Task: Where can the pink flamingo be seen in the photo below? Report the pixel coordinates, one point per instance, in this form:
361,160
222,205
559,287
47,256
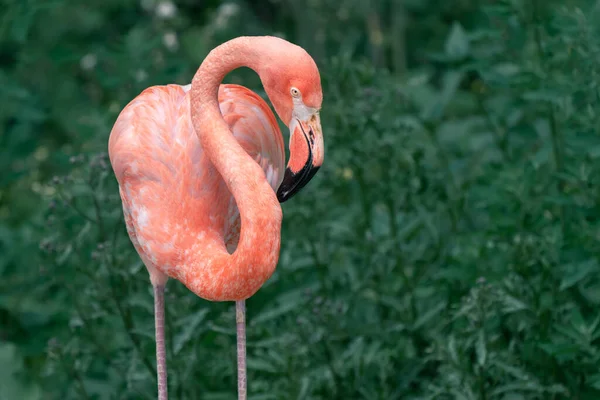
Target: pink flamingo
200,172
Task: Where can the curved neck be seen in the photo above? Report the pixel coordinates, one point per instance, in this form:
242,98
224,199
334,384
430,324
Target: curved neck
258,247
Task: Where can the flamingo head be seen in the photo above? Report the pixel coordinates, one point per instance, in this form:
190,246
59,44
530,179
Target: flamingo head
293,85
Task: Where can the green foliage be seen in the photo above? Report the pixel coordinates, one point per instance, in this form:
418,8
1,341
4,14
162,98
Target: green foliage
448,248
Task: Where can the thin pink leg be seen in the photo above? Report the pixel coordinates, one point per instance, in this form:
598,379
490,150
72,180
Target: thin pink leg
159,326
240,320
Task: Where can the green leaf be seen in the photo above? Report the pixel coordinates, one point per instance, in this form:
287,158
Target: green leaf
452,350
429,315
435,111
190,327
481,348
513,396
457,43
578,272
272,312
260,364
304,388
12,384
594,381
562,351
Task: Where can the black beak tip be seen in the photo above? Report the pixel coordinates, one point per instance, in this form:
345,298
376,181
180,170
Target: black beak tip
282,195
292,183
288,186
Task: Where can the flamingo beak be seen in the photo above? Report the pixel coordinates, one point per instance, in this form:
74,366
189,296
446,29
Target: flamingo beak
306,156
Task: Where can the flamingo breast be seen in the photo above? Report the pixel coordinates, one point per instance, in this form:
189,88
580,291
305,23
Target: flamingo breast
174,199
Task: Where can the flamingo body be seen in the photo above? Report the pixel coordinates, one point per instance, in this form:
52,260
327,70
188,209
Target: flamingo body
201,175
177,206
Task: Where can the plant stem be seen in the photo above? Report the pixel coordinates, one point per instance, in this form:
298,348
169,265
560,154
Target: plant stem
75,208
398,44
98,212
453,191
500,135
71,371
555,134
127,322
86,322
125,316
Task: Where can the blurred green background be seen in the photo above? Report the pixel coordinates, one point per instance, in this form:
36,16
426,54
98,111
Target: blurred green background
448,248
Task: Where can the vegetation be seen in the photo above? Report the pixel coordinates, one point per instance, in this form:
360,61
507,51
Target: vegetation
448,248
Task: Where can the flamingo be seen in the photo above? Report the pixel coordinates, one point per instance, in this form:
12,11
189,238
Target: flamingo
201,175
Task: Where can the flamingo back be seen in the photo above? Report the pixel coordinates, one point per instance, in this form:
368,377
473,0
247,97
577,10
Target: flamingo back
173,197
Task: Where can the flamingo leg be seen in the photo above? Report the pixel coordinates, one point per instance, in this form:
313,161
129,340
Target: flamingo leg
240,320
159,328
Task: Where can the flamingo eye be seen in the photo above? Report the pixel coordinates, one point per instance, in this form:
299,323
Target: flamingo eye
295,92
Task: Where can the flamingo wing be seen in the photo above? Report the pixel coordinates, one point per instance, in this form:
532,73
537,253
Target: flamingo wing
169,188
255,127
